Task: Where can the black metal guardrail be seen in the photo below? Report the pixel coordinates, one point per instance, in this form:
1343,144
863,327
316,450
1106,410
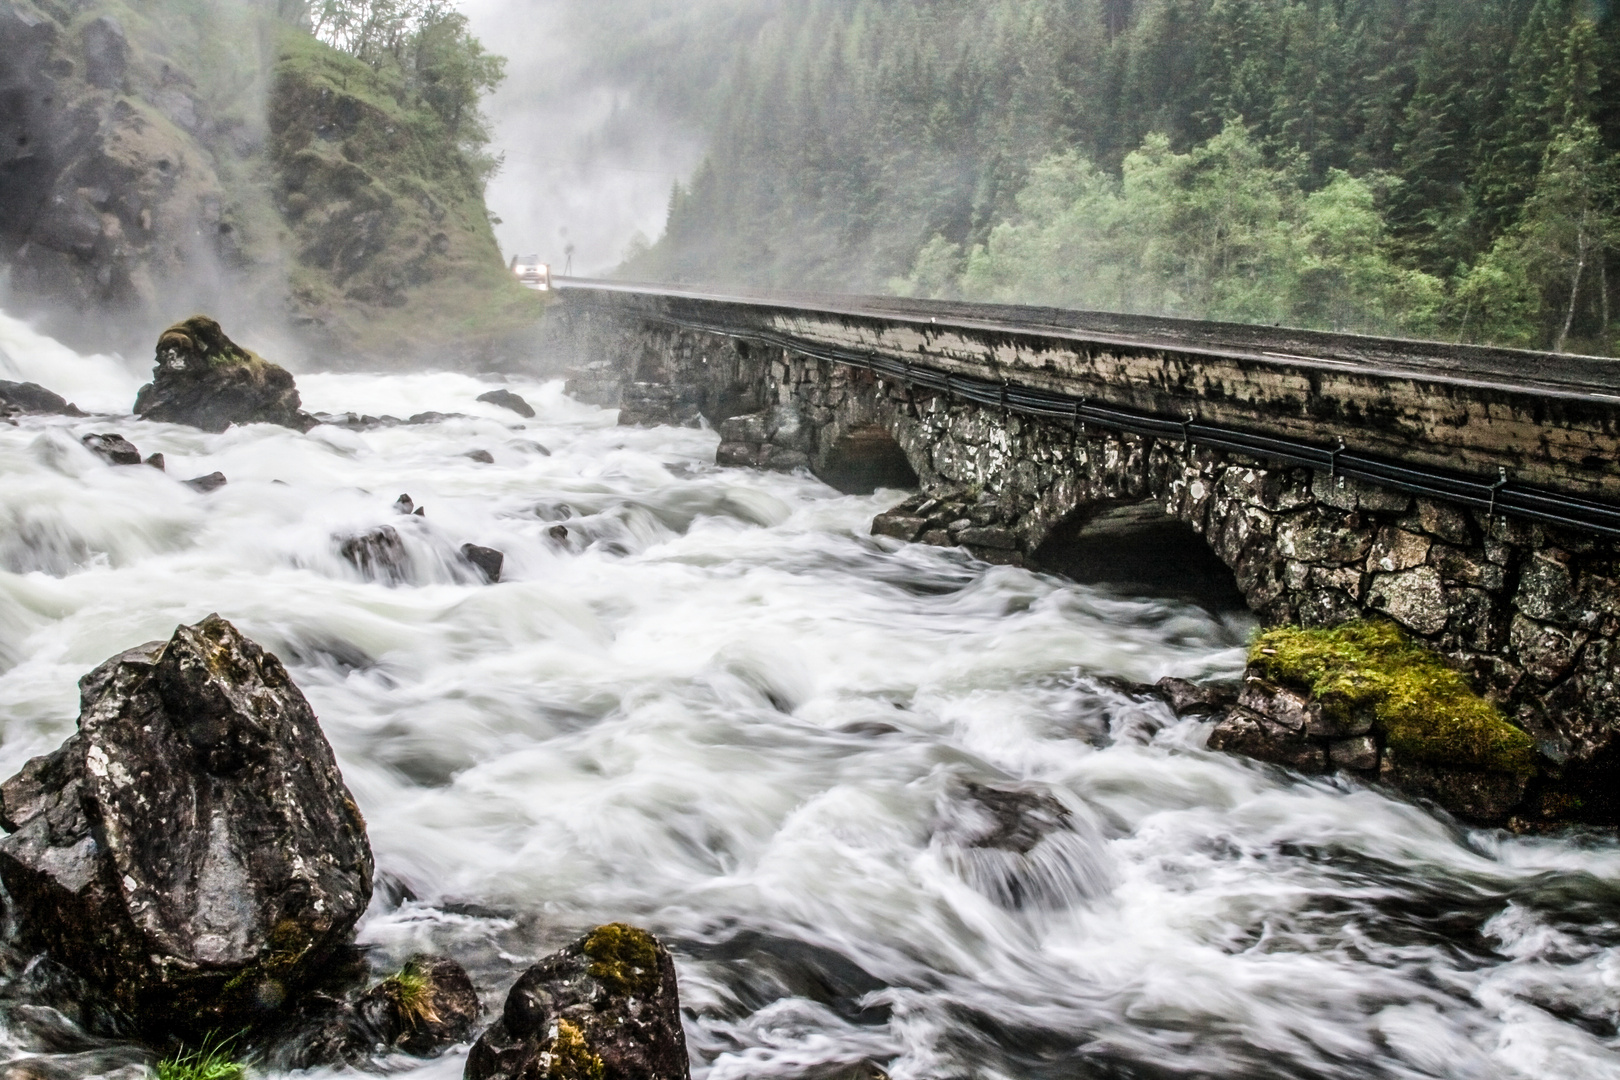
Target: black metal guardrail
1501,495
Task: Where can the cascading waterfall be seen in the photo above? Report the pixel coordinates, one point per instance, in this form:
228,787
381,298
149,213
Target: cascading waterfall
886,805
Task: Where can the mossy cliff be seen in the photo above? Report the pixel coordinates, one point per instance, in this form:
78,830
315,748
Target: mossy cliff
183,155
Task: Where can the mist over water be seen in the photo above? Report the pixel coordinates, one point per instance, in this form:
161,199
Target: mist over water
721,710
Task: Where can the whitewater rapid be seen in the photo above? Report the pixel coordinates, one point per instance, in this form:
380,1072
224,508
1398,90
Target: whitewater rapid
717,707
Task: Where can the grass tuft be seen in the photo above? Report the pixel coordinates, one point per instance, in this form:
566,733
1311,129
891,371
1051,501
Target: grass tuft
413,992
1425,710
211,1060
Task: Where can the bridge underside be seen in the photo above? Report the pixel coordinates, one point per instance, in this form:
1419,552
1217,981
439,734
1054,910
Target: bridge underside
1531,611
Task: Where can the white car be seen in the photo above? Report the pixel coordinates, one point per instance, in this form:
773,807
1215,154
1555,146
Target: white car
531,271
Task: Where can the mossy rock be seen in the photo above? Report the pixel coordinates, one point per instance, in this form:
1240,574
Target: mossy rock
1424,710
623,959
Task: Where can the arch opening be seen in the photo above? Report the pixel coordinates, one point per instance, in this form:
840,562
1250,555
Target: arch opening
1137,548
866,459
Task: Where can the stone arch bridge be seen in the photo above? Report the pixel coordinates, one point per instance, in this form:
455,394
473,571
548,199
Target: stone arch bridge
1471,494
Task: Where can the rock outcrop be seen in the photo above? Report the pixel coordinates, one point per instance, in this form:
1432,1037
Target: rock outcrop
206,380
191,851
1366,699
18,398
604,1008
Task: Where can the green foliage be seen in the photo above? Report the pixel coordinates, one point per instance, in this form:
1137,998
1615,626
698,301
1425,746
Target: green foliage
1364,165
1425,710
623,959
427,57
211,1060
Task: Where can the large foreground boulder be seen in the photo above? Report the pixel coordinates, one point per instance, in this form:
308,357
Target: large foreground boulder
192,850
604,1008
206,380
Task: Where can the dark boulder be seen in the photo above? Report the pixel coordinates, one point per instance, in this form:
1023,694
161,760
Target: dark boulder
1187,698
483,457
605,1007
205,380
487,560
192,850
508,400
157,462
27,397
205,484
113,449
379,554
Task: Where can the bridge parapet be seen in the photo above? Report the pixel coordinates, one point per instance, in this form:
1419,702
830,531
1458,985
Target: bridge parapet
1529,606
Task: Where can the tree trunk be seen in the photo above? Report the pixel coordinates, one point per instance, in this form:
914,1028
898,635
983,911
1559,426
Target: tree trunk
1574,294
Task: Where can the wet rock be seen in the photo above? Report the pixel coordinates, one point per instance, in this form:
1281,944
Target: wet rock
106,53
900,526
379,554
605,1007
113,449
1473,794
192,850
1187,698
205,380
205,484
26,397
481,456
508,400
1018,820
559,533
404,505
157,462
487,560
430,1004
1254,735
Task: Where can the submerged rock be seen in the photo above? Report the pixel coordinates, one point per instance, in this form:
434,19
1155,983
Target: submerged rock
604,1008
192,850
206,380
379,554
508,400
27,397
487,560
112,448
205,484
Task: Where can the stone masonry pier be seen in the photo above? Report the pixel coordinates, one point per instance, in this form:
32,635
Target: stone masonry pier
1472,495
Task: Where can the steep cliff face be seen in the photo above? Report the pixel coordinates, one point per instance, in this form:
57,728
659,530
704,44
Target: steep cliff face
198,155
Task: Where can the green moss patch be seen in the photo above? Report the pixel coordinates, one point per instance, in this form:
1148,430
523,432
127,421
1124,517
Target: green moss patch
572,1057
1425,710
623,959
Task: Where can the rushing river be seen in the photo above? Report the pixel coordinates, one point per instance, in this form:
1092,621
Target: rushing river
711,704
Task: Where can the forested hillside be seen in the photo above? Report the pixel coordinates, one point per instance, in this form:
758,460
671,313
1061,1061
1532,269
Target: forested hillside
1432,167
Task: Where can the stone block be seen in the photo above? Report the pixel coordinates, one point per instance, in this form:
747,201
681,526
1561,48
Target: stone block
989,536
745,455
1320,536
935,537
783,459
899,526
1359,754
1288,708
1243,732
1463,568
1474,796
1546,588
1397,549
1414,598
1445,521
1547,652
750,428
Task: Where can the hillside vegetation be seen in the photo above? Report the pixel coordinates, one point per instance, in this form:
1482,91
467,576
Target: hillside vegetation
176,156
1432,167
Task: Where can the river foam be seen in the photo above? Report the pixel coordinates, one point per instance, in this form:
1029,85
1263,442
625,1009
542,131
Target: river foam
717,707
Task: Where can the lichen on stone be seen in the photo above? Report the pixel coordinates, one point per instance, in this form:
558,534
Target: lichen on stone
623,959
1425,710
571,1056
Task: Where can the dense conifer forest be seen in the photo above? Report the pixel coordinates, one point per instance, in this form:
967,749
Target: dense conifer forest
1426,167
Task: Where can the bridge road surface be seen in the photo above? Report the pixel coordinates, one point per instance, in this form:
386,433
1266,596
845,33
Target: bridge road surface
1498,421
